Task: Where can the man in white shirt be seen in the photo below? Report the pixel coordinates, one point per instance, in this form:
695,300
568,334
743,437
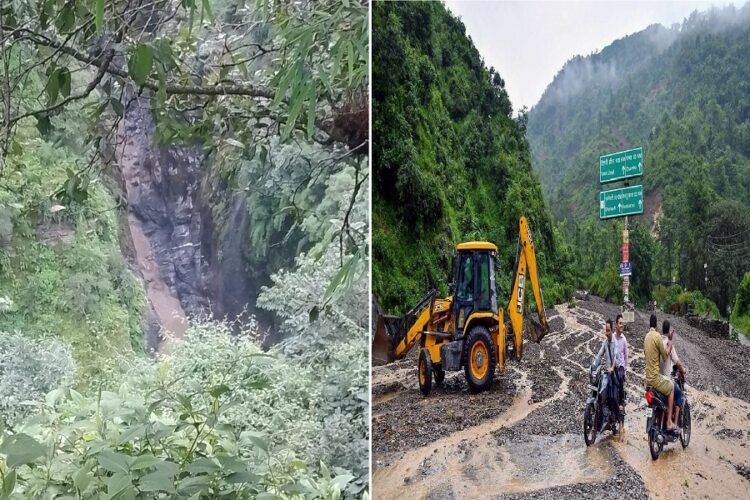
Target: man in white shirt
665,367
621,368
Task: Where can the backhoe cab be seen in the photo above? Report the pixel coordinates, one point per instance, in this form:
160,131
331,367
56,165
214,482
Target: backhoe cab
467,329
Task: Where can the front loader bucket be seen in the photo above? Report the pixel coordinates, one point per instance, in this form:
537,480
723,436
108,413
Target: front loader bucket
389,331
534,329
382,351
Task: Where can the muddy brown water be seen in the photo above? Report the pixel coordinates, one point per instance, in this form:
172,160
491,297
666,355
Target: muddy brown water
529,442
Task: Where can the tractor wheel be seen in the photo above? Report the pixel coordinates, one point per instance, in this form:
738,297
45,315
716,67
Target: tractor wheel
425,372
479,359
439,374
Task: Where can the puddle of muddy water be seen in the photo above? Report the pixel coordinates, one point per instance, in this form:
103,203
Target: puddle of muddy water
473,455
541,462
384,398
479,469
706,468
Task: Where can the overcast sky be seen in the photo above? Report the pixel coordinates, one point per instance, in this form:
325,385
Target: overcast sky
528,42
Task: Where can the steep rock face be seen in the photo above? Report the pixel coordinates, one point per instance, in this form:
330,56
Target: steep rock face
190,259
172,240
233,287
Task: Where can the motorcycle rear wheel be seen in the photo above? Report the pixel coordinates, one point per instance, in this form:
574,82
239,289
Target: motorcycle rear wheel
653,445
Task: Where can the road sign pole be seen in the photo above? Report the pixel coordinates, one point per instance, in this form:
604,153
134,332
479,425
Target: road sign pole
621,202
625,258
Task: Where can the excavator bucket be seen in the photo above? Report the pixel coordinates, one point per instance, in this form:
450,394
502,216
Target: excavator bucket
382,353
534,329
384,339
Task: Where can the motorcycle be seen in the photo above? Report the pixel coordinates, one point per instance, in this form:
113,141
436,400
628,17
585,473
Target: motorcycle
597,417
656,424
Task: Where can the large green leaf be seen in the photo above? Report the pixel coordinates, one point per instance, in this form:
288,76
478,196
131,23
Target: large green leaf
203,465
63,78
311,107
53,86
157,481
120,487
295,107
140,63
20,449
98,14
9,484
193,485
144,462
113,461
258,439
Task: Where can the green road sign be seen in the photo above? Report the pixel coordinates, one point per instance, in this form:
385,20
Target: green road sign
622,165
621,202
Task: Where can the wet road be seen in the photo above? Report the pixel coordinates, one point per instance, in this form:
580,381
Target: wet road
523,438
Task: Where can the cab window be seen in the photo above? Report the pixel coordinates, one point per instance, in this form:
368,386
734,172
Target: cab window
484,281
466,278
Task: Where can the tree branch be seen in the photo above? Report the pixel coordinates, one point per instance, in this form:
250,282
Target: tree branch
215,90
89,88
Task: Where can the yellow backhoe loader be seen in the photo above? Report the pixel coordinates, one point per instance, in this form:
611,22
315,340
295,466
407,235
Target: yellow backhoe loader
467,330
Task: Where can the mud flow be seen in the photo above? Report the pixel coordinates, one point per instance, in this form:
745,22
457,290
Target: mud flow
524,437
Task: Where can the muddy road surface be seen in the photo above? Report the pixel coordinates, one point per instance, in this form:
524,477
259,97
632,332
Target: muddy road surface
524,437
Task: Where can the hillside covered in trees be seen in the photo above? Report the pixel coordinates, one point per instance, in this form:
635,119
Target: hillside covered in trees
683,93
183,249
450,162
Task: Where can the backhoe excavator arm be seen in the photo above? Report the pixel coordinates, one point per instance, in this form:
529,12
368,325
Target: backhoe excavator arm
413,334
526,267
395,336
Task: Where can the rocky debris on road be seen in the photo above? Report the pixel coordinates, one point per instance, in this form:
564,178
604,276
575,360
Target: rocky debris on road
713,327
743,471
412,420
730,434
388,388
625,483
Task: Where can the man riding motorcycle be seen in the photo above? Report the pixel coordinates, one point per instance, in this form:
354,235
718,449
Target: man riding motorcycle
621,368
672,360
606,359
655,351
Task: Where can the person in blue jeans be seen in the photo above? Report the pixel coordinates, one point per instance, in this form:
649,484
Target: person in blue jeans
665,367
621,369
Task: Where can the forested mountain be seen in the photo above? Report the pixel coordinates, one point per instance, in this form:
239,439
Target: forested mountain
183,249
450,163
683,93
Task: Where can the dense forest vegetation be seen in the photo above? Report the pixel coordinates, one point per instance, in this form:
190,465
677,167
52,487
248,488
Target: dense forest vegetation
450,162
683,93
183,249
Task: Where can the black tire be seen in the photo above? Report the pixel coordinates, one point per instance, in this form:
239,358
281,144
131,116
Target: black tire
589,424
653,445
424,372
439,374
480,343
686,425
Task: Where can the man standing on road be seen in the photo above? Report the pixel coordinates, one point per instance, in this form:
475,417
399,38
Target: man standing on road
621,369
672,360
655,352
